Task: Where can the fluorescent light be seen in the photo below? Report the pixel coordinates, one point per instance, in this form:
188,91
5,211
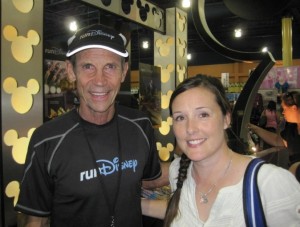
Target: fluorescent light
189,56
237,33
145,44
186,3
264,49
73,26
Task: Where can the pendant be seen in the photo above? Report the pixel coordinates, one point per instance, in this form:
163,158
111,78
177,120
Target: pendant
203,198
112,224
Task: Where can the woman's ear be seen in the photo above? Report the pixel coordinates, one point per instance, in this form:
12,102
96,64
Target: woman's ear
227,121
295,107
70,71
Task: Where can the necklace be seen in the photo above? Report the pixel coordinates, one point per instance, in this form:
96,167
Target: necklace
107,194
204,196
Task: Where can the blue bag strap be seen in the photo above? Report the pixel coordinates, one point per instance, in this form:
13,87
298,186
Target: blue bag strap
253,210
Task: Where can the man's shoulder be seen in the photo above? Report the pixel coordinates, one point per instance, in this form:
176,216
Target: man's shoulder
58,125
132,113
69,116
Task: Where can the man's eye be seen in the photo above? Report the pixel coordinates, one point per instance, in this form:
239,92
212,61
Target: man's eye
110,66
87,66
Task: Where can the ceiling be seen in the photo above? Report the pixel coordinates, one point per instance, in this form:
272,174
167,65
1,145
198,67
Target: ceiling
260,21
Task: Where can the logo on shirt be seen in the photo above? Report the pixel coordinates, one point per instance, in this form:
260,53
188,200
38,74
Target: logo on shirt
107,167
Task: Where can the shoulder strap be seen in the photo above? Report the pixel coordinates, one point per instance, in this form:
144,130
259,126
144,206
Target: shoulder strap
253,210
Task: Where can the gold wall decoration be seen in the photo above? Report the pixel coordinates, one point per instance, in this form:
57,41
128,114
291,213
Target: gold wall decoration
182,21
181,44
21,97
164,152
21,105
12,190
19,145
158,18
140,11
166,72
24,6
169,52
165,100
21,46
181,71
165,126
164,47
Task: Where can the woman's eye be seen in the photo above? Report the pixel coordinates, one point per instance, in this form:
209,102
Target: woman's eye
178,118
203,115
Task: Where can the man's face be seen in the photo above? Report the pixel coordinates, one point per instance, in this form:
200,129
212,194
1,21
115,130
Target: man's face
99,74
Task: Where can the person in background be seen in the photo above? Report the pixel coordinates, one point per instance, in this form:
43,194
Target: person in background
257,109
85,167
207,180
290,136
271,119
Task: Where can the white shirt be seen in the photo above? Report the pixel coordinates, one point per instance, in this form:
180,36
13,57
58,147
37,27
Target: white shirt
279,192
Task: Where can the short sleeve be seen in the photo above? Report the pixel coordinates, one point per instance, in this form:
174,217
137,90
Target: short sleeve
280,194
35,189
152,169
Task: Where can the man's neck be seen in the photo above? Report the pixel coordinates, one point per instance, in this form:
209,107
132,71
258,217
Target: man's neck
98,118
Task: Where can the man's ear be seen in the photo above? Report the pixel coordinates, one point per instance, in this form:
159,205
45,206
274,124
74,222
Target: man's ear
227,121
125,69
70,71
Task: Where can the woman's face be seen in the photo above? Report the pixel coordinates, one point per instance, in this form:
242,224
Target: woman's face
290,113
199,124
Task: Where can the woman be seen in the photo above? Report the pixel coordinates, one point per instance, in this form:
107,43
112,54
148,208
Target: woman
207,179
271,115
290,136
270,120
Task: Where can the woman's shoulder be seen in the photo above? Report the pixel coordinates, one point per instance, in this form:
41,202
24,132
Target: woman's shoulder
295,170
271,175
175,165
279,190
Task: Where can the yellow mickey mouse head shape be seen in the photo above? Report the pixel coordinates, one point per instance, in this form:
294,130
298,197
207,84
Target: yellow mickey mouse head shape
21,47
21,98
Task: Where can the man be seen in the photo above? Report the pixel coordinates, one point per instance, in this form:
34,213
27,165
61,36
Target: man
61,183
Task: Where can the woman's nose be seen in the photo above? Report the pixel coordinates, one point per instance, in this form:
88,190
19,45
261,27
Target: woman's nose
191,126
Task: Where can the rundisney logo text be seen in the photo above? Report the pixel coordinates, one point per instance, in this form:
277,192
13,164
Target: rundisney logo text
107,167
94,33
54,50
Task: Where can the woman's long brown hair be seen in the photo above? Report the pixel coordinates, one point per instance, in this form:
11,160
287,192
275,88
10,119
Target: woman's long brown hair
215,86
172,209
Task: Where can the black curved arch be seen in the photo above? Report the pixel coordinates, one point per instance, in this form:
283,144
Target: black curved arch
242,109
